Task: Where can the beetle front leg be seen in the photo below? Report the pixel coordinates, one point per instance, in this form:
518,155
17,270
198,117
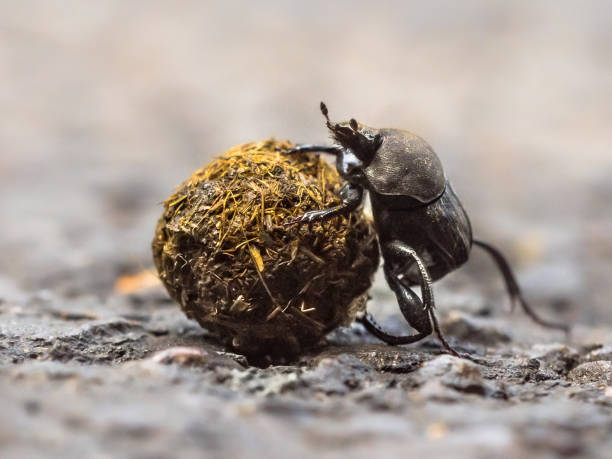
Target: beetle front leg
419,314
308,148
351,196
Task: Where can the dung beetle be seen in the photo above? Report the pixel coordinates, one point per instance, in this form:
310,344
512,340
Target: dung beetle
423,230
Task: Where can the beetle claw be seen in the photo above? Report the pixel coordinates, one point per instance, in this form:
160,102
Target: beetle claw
292,221
304,218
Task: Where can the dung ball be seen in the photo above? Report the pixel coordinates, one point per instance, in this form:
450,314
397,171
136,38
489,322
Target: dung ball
224,253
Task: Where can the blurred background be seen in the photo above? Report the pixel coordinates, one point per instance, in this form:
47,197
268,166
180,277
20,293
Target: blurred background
106,106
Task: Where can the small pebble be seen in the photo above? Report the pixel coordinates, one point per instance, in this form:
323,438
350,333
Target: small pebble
597,371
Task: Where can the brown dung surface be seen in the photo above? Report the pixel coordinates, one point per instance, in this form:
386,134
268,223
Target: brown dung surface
223,251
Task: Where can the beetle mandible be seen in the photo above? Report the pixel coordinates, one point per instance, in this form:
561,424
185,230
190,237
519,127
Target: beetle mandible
423,230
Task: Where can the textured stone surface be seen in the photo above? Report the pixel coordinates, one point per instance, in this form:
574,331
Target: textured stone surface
105,109
131,376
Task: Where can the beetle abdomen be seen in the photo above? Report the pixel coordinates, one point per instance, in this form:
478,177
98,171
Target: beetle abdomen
440,232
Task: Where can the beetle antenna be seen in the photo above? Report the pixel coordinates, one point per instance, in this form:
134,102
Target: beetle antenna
324,110
325,114
364,145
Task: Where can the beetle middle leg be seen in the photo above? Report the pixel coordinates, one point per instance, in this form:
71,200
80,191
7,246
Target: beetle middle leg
419,313
351,196
412,308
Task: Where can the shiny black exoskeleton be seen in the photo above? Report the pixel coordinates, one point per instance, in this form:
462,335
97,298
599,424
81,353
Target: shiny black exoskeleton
423,231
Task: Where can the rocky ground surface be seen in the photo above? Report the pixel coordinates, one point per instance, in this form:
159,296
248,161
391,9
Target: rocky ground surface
131,376
106,106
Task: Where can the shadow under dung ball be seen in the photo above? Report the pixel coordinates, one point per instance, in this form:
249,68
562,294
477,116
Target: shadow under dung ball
223,252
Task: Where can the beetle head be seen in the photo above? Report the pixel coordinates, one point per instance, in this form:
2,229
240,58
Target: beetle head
362,140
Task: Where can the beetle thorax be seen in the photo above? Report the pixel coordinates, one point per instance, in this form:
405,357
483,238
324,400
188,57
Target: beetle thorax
405,165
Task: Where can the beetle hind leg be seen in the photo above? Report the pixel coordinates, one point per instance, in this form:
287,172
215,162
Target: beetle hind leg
514,291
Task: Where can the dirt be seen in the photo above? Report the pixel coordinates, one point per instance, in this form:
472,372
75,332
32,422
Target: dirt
132,377
106,109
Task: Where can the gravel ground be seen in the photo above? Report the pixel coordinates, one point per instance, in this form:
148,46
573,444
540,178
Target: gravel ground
105,107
